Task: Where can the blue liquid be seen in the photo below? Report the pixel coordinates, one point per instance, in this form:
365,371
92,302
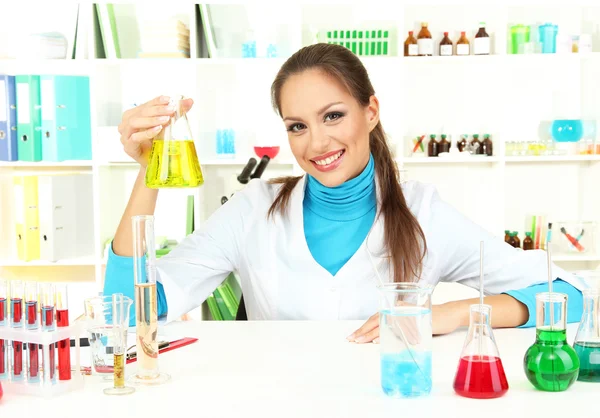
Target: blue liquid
567,130
400,376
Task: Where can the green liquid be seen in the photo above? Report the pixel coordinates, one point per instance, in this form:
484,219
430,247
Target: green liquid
181,169
589,356
551,364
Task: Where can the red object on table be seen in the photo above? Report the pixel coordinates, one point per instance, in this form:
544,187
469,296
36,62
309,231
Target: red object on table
480,377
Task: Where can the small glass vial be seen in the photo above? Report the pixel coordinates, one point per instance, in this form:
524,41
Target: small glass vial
446,46
481,44
433,147
424,41
411,49
462,45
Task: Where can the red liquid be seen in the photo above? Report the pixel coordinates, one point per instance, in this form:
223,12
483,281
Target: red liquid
31,313
34,365
64,347
2,353
48,322
2,309
480,378
17,313
17,358
2,346
270,152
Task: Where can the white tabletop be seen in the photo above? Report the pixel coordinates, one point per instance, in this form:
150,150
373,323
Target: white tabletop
305,369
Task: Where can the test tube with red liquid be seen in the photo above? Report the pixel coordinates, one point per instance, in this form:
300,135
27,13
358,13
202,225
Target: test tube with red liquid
3,322
62,320
48,324
31,323
16,321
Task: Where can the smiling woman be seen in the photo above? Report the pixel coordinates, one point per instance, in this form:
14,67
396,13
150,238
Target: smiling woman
309,247
328,104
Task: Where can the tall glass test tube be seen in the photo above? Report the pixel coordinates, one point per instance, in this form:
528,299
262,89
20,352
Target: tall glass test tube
146,310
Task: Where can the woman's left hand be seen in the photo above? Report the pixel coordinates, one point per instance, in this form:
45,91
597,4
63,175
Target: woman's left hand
445,319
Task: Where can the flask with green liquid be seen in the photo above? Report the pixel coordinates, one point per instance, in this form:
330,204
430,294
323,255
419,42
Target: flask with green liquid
551,364
173,161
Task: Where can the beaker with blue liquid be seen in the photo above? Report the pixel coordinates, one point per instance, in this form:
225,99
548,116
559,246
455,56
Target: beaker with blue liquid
405,334
587,340
548,34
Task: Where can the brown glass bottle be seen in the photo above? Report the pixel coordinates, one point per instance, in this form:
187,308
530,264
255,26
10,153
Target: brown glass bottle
424,41
487,145
463,143
517,240
446,46
512,240
433,147
506,235
444,145
411,49
481,44
528,242
462,45
476,147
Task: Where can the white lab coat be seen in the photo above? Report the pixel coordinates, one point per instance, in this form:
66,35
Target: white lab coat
281,280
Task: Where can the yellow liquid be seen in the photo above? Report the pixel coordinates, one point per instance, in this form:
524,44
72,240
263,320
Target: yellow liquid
119,371
173,164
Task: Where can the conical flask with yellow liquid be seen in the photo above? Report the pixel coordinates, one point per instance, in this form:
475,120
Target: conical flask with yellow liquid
173,161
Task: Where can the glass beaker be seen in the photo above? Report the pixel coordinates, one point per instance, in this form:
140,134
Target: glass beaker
119,316
587,340
567,130
405,335
100,324
519,36
551,364
146,303
547,34
173,161
480,373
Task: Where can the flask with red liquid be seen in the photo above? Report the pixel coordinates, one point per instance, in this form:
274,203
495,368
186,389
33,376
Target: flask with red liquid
480,373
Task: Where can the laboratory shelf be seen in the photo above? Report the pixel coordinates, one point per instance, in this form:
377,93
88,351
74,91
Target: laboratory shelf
576,258
442,161
79,261
45,164
552,158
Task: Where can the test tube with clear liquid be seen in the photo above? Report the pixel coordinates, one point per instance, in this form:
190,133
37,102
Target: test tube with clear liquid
146,308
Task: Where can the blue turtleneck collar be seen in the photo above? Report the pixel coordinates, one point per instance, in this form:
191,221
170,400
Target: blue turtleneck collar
346,202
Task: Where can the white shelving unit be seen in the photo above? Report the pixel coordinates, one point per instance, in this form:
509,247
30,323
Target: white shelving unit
503,95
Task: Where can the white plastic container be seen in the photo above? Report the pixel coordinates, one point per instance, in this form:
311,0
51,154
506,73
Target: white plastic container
45,387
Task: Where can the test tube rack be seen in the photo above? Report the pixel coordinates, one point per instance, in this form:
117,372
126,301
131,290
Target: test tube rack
45,387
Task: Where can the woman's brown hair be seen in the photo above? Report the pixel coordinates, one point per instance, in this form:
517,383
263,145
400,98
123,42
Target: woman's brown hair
404,238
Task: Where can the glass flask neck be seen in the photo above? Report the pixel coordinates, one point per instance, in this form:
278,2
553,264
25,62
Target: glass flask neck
178,128
480,315
551,309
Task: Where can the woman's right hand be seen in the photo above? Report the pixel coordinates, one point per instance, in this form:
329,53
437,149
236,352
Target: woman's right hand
143,123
